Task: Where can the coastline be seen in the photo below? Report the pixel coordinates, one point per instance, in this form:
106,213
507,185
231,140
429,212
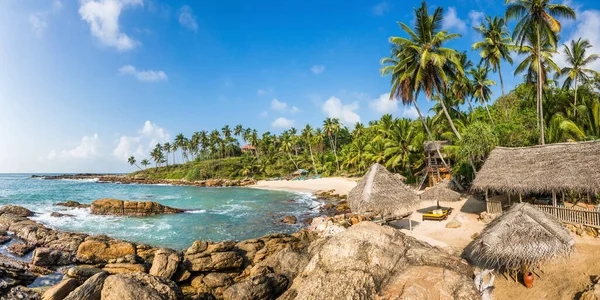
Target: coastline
340,186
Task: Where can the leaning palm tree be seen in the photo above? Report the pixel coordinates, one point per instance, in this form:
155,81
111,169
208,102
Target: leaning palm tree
332,126
481,87
537,19
496,45
577,61
421,64
145,163
131,160
308,136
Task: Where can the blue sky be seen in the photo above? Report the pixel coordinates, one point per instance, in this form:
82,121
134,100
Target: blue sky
84,84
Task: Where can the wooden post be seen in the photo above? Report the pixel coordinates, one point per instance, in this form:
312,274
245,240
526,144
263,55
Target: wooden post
520,198
509,200
563,198
553,198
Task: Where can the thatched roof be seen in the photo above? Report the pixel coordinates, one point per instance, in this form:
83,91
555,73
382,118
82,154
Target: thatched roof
429,146
400,177
299,172
541,169
440,192
521,236
380,191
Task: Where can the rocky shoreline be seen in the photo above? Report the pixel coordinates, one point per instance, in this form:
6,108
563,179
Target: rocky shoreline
365,259
128,179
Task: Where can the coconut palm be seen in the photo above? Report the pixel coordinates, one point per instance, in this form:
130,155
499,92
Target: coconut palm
481,87
420,63
157,155
400,145
496,45
308,136
577,61
131,160
238,130
460,86
332,126
181,143
537,20
167,149
145,163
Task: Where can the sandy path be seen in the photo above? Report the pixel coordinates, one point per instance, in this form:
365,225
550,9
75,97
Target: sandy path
341,186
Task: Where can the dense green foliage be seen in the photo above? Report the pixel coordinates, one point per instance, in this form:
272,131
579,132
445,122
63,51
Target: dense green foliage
536,111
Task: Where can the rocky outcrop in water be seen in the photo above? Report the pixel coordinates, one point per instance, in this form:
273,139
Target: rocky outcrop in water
127,179
117,207
72,204
16,211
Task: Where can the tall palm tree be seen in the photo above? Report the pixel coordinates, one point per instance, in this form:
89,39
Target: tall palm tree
131,160
157,155
287,147
496,45
332,126
577,61
238,130
307,135
537,18
167,149
180,143
145,163
481,87
421,64
461,85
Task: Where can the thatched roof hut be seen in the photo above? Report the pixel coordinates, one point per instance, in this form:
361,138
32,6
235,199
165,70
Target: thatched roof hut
400,177
560,167
381,192
429,146
521,236
299,172
440,192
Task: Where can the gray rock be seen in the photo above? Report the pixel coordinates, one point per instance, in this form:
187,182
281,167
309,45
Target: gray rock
20,292
258,287
61,290
51,257
133,286
15,211
83,272
91,289
165,263
214,261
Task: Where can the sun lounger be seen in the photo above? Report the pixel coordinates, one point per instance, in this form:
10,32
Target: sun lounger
439,214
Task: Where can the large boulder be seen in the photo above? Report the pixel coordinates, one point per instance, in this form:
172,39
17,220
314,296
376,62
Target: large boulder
91,289
117,268
117,207
370,261
14,272
51,257
61,290
15,210
20,249
258,287
20,292
101,251
216,261
165,263
72,204
83,272
133,286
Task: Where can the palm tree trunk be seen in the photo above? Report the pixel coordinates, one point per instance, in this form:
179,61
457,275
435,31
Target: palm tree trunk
489,114
290,156
539,88
502,87
449,119
575,100
138,167
473,166
312,158
429,133
470,105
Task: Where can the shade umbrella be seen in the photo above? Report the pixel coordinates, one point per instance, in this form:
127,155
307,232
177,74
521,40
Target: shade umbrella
440,192
379,191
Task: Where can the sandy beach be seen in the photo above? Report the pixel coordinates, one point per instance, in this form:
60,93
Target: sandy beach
342,186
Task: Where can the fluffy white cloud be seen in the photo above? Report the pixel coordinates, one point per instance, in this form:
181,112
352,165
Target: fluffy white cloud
103,18
145,76
317,69
410,112
380,8
88,148
476,17
334,108
140,145
39,19
451,21
587,26
283,123
280,106
187,18
384,105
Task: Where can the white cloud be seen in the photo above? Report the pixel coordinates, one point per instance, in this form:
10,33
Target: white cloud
380,8
187,18
140,145
384,105
280,106
476,17
587,26
87,149
317,69
263,92
283,123
145,76
451,21
103,18
410,112
39,19
334,108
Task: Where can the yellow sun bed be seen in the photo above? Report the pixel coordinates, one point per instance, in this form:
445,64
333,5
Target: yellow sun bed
437,214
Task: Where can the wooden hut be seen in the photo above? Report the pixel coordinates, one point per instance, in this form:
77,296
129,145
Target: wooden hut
435,171
553,170
248,148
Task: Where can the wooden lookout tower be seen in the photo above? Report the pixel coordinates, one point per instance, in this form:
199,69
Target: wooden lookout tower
435,171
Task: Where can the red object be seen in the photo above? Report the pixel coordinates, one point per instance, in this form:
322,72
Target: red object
528,279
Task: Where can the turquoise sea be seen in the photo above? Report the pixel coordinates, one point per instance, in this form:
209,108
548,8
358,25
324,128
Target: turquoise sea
214,213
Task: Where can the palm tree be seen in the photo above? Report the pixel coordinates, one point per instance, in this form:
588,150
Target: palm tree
157,154
461,85
131,161
167,149
481,87
332,126
145,163
238,130
537,19
421,64
181,143
287,146
307,135
577,61
496,45
400,145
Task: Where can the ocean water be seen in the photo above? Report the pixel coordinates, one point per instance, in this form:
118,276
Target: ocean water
214,214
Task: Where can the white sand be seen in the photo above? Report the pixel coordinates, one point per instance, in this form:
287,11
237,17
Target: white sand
342,186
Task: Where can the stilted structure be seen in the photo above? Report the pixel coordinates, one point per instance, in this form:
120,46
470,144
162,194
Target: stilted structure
435,171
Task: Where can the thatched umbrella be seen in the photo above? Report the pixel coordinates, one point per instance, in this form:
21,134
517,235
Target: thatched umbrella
379,191
522,237
440,192
400,177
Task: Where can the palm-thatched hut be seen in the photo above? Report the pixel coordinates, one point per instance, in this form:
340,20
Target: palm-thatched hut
435,171
523,236
545,169
440,192
379,191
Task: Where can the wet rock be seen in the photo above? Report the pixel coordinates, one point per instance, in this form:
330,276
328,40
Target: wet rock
20,292
133,286
15,210
51,257
99,251
91,289
289,220
117,207
118,268
59,215
4,239
268,286
165,263
73,204
369,260
83,272
205,262
20,249
61,290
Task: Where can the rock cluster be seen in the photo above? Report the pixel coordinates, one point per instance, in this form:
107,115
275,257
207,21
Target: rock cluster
117,207
126,179
72,204
581,230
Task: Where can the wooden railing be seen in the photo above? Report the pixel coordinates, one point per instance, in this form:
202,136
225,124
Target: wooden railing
494,207
573,215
